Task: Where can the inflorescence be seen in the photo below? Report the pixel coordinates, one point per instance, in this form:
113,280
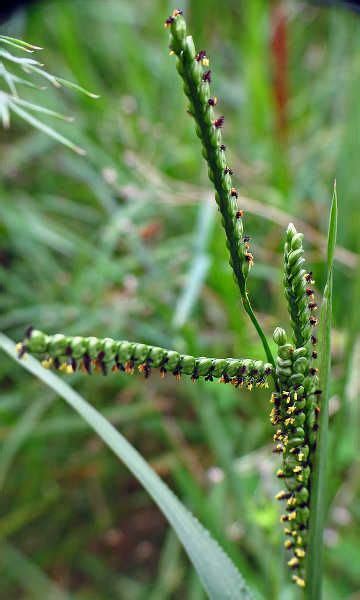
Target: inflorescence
295,408
196,76
68,354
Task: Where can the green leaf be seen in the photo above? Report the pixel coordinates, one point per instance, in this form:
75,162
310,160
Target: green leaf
217,572
38,108
19,43
26,573
75,86
314,565
18,435
45,129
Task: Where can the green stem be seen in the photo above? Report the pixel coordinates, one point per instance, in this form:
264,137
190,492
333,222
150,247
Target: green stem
249,310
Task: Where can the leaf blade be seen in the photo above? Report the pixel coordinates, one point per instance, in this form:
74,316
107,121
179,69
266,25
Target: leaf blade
318,480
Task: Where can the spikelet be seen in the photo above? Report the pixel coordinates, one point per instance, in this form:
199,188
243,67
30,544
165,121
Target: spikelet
295,419
106,355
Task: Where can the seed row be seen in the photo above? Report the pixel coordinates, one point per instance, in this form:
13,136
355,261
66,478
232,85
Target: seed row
90,353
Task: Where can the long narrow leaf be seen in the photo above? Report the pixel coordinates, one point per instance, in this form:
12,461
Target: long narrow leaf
18,435
45,129
40,109
318,482
218,574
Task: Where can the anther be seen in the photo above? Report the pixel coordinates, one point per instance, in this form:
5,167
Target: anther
207,76
218,123
293,562
200,55
29,331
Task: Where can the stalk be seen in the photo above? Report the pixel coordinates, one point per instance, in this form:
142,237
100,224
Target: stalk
192,67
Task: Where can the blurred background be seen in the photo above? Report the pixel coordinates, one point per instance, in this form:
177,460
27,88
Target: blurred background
126,242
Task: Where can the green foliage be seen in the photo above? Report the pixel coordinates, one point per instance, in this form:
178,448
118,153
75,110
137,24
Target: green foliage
109,246
10,100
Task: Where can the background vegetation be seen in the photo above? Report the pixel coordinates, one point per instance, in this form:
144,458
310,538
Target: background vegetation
125,242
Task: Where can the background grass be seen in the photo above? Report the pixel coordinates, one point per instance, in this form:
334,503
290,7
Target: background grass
125,243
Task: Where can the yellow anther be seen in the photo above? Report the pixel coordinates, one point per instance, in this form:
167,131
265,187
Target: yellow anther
300,553
292,515
205,61
299,581
288,544
293,562
297,469
47,363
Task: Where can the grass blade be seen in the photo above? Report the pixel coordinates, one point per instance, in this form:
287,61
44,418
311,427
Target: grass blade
314,566
28,575
46,129
21,431
217,572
